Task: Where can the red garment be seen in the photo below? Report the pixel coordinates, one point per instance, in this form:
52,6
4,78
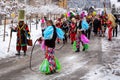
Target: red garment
58,40
42,20
58,25
109,23
72,27
72,36
104,19
24,48
22,35
49,55
73,32
110,32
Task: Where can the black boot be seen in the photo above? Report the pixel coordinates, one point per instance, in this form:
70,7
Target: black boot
71,42
18,54
109,40
24,53
83,49
78,50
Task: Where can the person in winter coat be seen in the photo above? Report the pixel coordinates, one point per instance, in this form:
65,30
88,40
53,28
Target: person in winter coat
96,24
22,35
65,28
88,32
115,30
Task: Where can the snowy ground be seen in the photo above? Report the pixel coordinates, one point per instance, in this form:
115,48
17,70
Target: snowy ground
35,34
110,68
75,66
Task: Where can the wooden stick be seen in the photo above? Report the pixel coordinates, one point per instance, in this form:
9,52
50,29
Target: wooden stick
4,28
10,37
10,40
104,3
30,23
36,23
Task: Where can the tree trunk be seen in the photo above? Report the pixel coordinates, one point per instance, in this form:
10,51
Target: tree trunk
0,19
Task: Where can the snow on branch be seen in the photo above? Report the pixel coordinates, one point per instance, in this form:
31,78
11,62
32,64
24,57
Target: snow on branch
45,9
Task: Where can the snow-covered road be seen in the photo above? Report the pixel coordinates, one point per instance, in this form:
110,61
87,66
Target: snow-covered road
74,65
100,62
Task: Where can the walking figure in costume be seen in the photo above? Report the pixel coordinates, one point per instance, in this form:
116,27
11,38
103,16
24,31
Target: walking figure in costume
50,35
81,36
22,34
111,25
73,30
